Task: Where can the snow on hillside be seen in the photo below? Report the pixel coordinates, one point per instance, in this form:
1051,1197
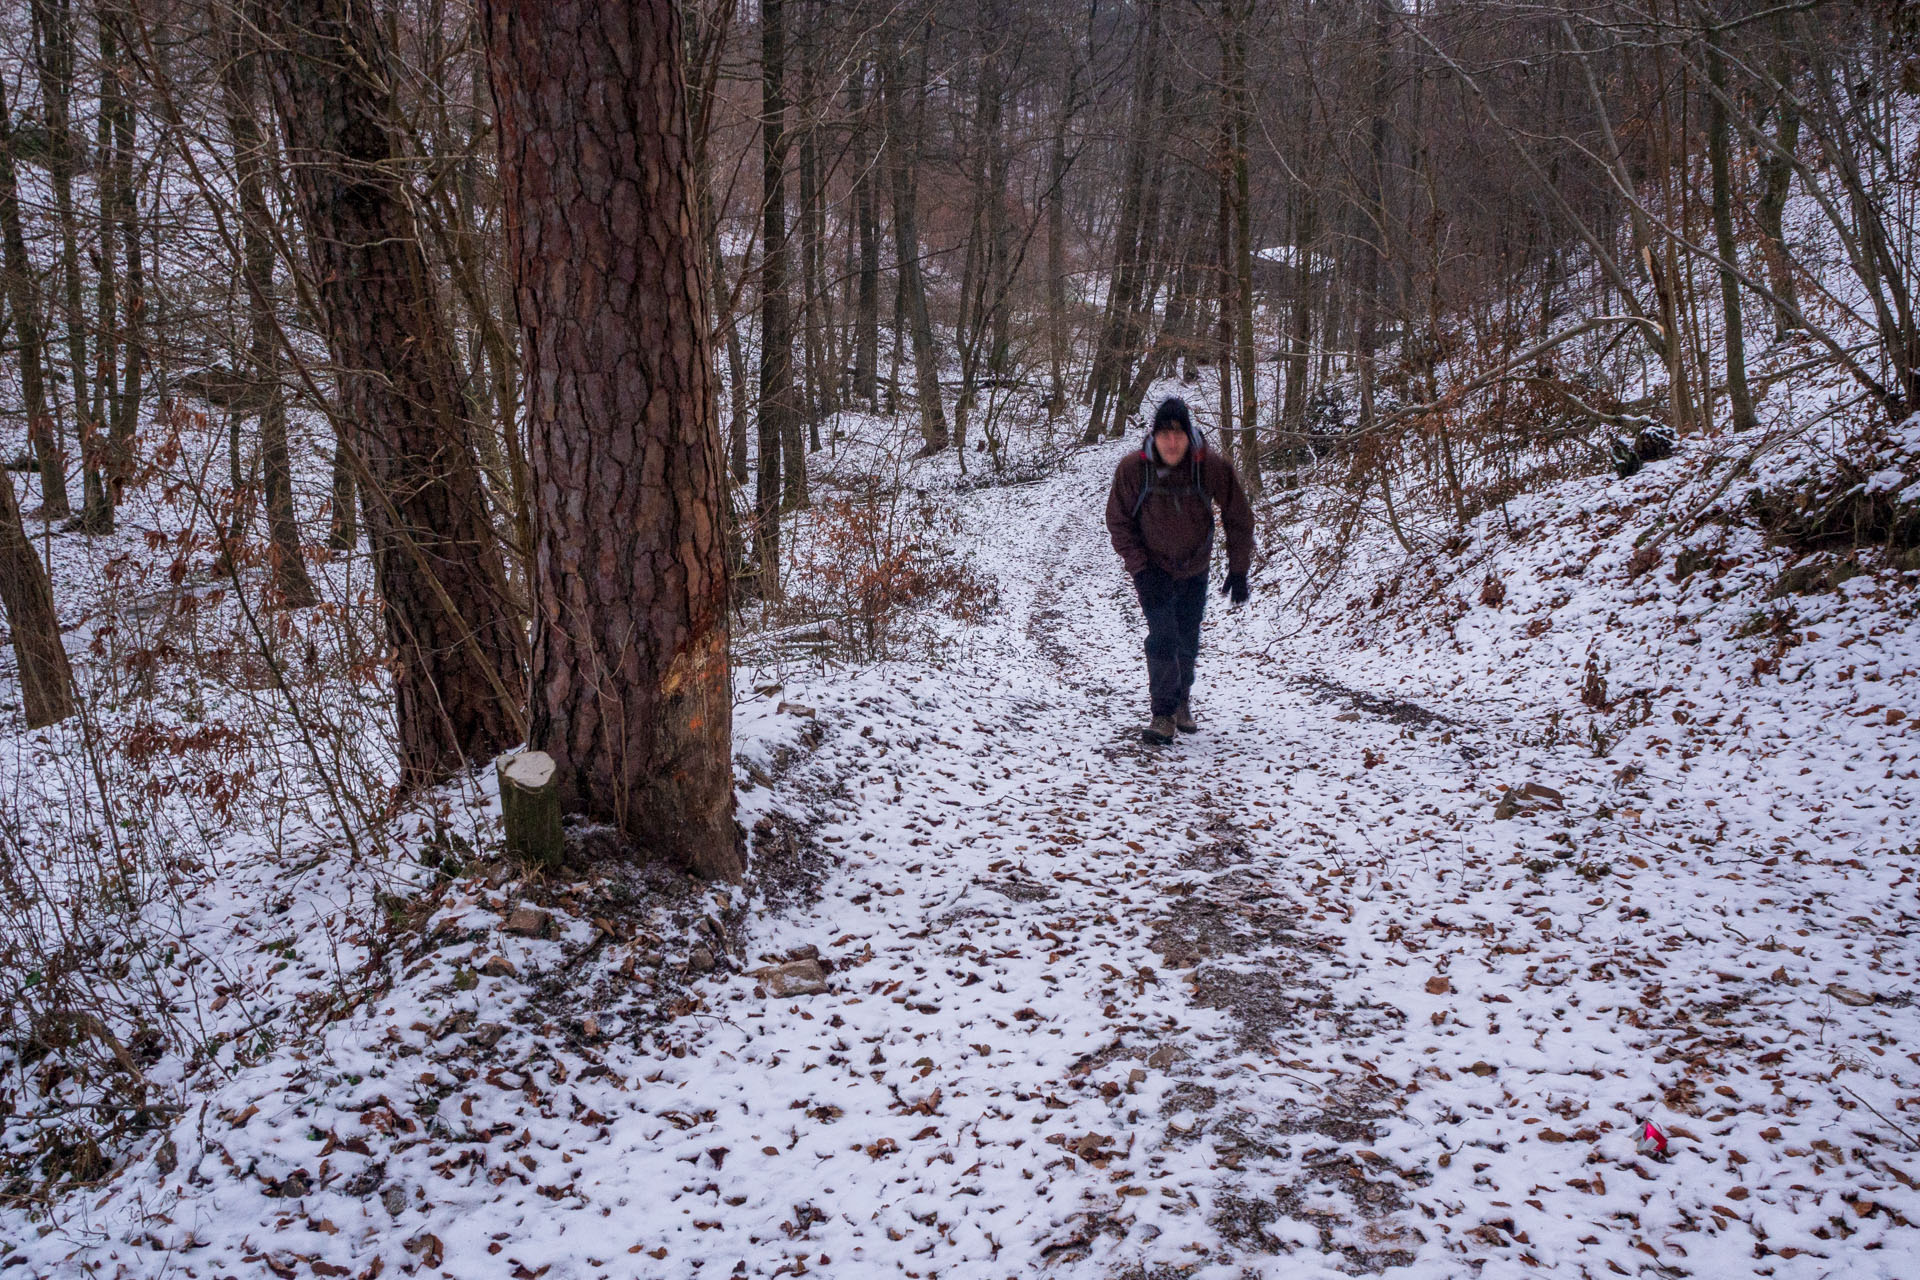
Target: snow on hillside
1460,885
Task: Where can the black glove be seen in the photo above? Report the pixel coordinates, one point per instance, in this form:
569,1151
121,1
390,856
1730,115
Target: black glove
1235,588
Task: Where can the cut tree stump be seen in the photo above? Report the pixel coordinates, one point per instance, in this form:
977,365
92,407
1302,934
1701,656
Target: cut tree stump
530,807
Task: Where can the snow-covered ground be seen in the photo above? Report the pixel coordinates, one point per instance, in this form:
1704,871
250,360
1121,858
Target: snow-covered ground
1303,994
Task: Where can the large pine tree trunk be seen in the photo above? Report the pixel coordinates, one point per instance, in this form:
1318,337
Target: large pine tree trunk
632,685
238,94
23,300
46,681
408,440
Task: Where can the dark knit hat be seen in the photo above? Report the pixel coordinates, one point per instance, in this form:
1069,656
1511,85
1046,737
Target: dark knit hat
1173,413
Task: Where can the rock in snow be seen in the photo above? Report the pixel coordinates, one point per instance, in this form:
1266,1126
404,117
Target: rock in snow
795,978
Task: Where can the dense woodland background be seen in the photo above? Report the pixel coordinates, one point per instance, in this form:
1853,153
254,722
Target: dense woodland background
1414,259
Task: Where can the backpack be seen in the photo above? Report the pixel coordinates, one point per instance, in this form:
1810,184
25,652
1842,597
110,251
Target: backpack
1196,450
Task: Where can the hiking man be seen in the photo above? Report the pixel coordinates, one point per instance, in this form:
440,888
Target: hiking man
1160,517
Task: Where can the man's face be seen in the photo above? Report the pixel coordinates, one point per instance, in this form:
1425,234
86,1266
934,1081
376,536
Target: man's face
1171,444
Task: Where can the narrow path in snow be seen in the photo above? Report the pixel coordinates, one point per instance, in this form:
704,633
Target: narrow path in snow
1285,998
1066,964
1282,989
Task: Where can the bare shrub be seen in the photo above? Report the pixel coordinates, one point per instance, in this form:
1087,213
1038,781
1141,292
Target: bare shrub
867,564
216,728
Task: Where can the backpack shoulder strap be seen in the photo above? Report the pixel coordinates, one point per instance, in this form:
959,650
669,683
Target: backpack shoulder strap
1200,470
1146,483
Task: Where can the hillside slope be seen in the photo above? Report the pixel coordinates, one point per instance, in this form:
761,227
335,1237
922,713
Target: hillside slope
1304,994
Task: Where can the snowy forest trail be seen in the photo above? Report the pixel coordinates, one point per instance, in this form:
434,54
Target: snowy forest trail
1285,988
1074,954
1280,990
1290,997
568,712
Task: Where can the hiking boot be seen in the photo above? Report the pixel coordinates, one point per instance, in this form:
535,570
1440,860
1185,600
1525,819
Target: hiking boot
1183,719
1159,731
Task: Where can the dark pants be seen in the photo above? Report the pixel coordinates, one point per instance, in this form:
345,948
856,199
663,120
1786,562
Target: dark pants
1173,608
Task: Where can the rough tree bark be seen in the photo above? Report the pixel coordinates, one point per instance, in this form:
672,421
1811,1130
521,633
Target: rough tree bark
23,299
458,648
46,681
632,684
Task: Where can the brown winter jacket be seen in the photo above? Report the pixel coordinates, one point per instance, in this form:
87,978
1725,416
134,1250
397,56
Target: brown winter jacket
1174,529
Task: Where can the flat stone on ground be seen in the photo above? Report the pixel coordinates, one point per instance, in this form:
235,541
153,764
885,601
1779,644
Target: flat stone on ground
795,978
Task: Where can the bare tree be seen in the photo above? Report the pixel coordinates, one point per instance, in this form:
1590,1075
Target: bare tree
1740,399
23,299
456,641
46,681
1235,16
1133,239
866,217
903,144
53,38
238,100
777,415
780,410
